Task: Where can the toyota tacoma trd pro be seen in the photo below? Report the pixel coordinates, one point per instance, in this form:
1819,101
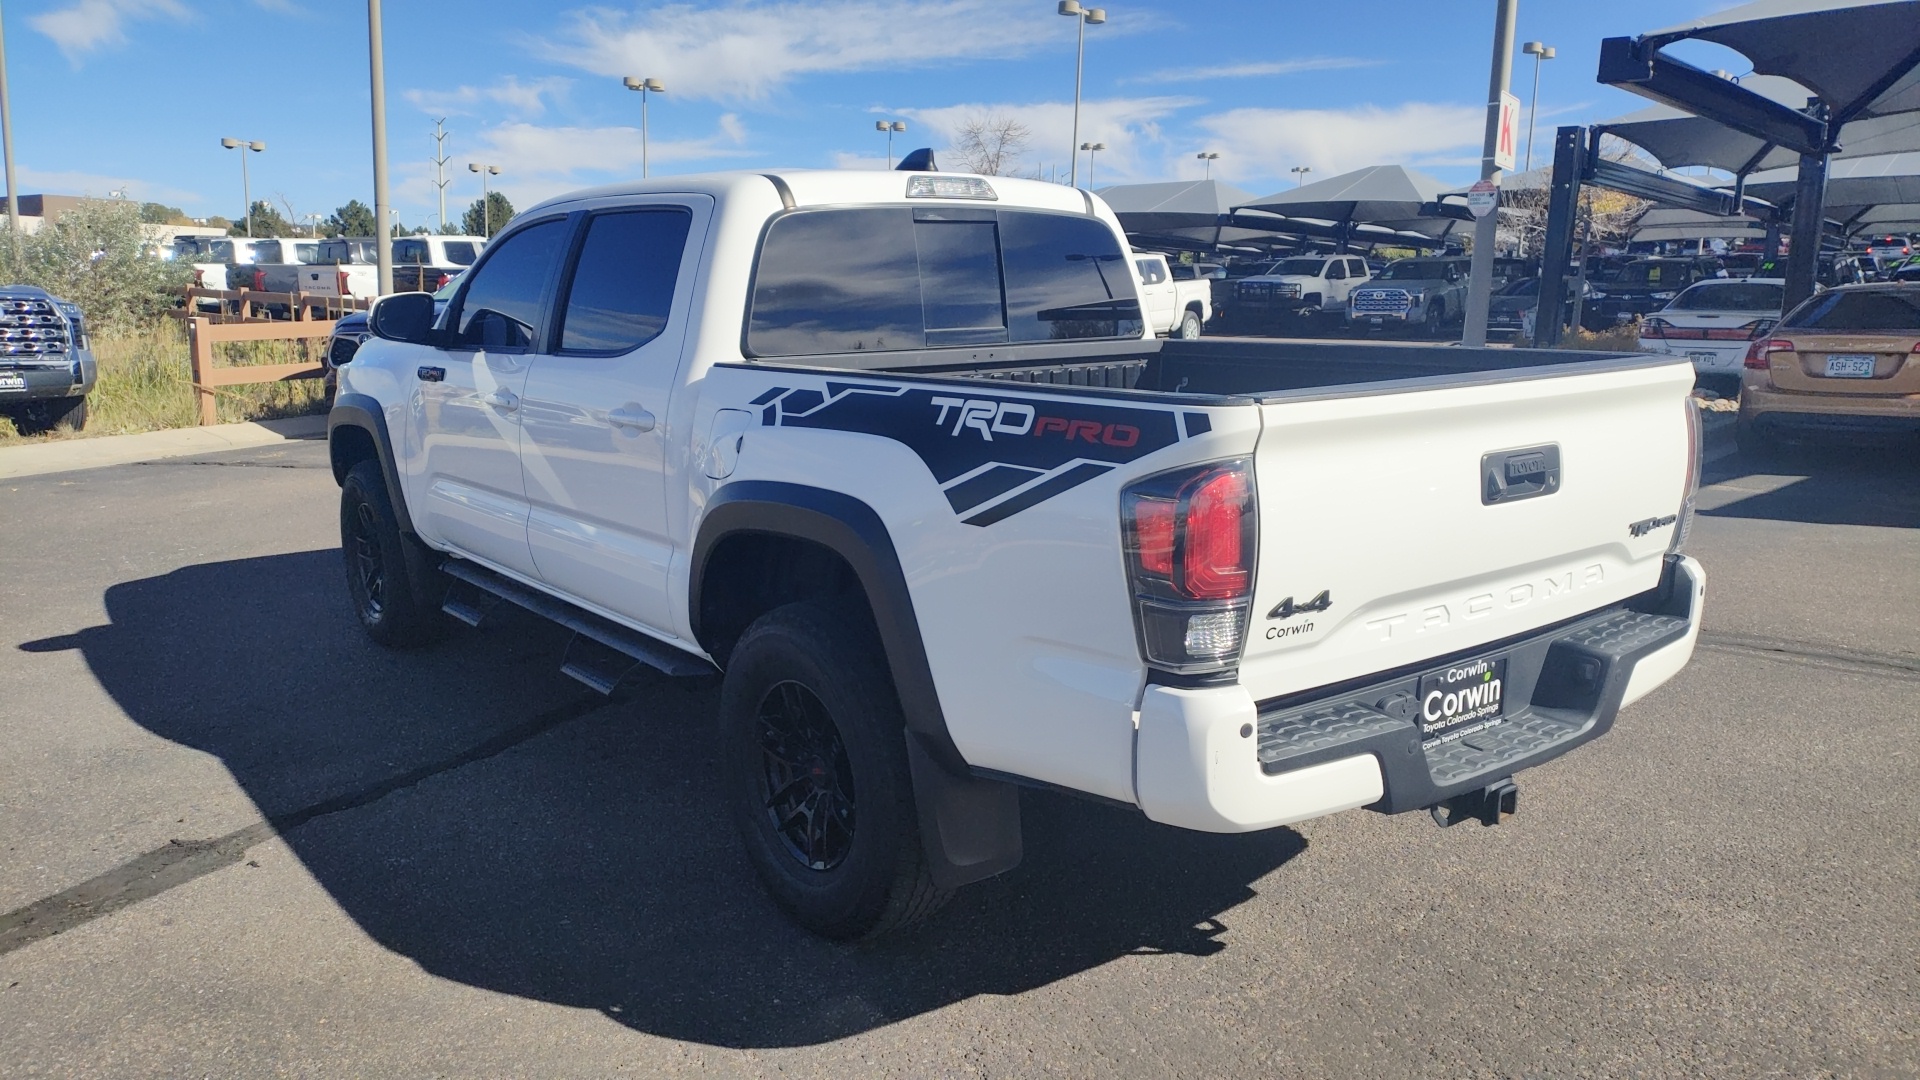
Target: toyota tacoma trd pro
895,455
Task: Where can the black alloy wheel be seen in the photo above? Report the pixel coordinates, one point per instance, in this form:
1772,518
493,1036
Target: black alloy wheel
805,778
394,587
367,564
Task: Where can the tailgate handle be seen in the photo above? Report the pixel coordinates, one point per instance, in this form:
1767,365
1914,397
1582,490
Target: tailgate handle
1511,475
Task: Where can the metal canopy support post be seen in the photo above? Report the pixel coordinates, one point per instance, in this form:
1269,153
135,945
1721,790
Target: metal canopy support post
1809,213
1556,253
1486,230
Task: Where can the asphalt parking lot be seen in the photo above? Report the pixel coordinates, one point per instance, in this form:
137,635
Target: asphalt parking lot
236,839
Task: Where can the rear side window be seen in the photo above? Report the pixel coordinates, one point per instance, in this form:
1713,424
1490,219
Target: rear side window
623,281
1150,272
460,252
1861,310
900,278
502,303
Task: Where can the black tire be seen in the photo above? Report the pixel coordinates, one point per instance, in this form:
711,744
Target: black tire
1189,328
40,417
811,725
391,605
1433,322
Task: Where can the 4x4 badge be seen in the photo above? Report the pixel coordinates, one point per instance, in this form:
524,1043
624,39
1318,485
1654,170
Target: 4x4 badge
1287,609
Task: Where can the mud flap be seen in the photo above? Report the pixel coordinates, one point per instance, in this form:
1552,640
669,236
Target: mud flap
969,827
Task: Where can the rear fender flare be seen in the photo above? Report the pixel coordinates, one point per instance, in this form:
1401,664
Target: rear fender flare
969,825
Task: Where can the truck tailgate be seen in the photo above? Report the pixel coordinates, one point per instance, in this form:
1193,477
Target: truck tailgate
1407,525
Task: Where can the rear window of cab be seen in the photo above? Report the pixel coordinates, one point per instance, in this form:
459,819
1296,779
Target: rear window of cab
898,278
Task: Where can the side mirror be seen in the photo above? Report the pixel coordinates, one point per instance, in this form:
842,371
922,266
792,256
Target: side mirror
406,316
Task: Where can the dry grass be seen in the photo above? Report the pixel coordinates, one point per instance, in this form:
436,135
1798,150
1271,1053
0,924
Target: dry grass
146,384
1624,338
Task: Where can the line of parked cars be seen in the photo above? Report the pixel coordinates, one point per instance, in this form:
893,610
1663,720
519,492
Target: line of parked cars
342,267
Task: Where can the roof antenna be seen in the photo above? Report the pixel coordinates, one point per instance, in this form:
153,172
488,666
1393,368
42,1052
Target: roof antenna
920,160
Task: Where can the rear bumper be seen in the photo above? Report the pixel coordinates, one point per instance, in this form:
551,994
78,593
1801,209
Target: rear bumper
1214,760
1770,409
1709,357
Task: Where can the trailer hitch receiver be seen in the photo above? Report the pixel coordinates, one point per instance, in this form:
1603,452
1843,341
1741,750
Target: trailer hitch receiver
1491,805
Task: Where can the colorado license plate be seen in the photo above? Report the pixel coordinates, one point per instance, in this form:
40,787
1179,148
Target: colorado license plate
14,383
1849,367
1462,699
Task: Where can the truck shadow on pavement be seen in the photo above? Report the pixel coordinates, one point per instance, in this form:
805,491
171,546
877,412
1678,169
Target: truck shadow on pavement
1825,484
506,829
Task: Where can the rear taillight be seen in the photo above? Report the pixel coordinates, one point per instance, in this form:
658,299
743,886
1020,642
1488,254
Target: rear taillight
340,281
1761,348
1190,542
259,281
1654,328
1685,523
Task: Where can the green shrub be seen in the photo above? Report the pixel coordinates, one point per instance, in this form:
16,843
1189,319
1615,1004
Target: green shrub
97,257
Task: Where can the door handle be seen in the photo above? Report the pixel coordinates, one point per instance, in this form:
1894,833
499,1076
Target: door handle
502,399
631,416
430,374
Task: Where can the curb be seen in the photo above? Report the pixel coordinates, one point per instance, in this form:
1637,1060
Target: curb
67,455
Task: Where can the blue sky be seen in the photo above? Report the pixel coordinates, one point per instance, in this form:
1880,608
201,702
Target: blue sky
135,95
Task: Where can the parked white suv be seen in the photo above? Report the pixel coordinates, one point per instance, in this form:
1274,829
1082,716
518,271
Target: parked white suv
1294,288
1174,306
897,454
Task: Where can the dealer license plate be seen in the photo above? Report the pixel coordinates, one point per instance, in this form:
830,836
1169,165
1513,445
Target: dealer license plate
12,382
1849,367
1462,699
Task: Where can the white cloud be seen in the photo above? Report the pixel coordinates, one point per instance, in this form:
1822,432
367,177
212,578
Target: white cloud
1266,143
528,98
748,49
1253,70
55,182
86,25
1129,126
537,162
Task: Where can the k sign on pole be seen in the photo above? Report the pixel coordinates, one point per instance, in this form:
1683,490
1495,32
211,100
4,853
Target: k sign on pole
1507,141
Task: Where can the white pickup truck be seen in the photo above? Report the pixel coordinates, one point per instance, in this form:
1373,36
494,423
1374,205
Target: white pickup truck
1174,306
895,453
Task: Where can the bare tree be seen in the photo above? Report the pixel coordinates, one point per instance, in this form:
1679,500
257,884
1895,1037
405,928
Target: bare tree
991,144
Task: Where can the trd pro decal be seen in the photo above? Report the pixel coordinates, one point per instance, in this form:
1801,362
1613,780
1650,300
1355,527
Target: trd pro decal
981,448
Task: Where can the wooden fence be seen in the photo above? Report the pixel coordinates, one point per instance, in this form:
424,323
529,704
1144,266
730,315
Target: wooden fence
203,334
249,306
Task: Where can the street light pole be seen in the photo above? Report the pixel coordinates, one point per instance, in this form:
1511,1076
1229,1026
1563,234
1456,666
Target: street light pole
1086,17
1486,229
246,185
486,196
645,86
377,68
1091,148
6,138
889,126
1208,156
1300,174
1539,52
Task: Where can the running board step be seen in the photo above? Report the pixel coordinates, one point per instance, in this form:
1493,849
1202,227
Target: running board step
619,650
